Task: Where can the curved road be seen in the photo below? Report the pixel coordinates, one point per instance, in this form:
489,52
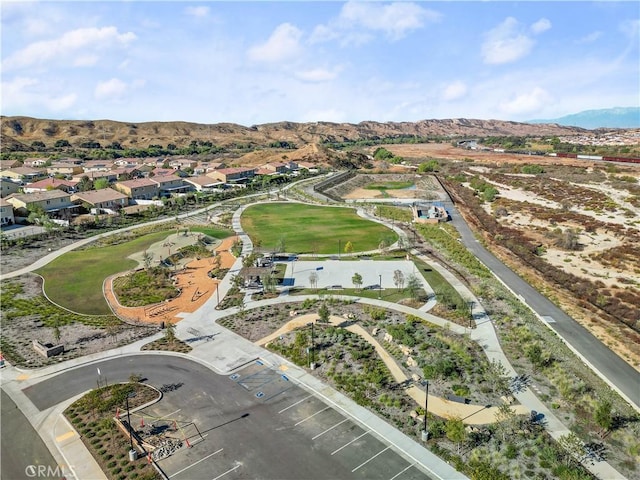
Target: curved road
621,376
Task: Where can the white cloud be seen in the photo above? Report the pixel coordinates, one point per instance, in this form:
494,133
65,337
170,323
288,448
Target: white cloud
111,89
23,93
395,20
506,43
69,43
527,103
454,91
283,44
200,11
591,37
318,75
540,26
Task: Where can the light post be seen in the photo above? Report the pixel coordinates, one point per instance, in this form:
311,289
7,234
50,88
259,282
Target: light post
312,363
380,287
338,249
425,431
132,452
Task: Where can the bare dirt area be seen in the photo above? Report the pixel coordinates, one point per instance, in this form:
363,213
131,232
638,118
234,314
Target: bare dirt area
577,226
31,249
447,151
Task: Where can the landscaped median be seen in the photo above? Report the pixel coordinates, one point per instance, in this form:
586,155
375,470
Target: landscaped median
100,416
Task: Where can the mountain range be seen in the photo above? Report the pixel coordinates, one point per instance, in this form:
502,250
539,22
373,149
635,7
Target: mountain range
619,117
19,133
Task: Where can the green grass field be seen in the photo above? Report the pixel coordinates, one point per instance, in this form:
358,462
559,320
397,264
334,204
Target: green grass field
391,185
75,279
311,229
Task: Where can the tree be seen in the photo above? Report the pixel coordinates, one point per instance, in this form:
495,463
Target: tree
281,245
496,377
505,417
101,183
313,280
348,247
170,332
62,143
573,447
56,332
398,279
603,417
38,145
323,313
85,184
357,280
455,431
413,286
147,258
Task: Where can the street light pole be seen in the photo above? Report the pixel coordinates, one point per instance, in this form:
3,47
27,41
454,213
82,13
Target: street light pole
312,364
425,432
131,455
380,287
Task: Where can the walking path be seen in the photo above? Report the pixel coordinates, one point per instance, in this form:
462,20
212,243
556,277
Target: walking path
229,351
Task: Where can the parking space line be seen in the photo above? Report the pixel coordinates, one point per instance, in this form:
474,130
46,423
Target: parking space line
291,406
311,416
364,463
330,428
276,394
172,413
195,463
228,471
347,444
402,471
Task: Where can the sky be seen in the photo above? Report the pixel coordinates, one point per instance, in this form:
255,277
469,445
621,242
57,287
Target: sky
260,62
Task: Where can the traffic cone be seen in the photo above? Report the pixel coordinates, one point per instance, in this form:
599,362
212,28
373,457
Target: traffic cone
142,421
118,412
149,457
187,440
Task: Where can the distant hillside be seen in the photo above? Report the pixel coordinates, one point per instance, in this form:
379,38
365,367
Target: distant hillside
19,133
621,117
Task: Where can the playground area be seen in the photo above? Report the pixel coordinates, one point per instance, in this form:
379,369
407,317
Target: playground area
190,277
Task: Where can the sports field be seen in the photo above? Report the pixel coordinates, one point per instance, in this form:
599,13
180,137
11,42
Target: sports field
312,229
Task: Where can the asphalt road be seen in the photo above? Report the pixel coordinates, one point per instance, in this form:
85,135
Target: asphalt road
253,424
22,451
624,377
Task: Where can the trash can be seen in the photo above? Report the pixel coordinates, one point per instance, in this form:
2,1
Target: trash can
133,455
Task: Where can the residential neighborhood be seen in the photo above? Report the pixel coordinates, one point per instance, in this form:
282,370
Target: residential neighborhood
67,188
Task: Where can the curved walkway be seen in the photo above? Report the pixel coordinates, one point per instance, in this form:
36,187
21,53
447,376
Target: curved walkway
470,414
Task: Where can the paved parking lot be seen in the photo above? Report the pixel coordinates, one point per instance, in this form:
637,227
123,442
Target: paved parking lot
257,424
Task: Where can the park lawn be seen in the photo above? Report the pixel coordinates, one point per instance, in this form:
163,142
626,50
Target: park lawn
312,229
391,185
74,280
218,233
392,295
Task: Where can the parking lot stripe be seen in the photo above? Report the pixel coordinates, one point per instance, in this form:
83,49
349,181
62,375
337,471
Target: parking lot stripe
311,416
402,471
364,463
347,444
195,463
330,428
172,413
291,406
228,471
